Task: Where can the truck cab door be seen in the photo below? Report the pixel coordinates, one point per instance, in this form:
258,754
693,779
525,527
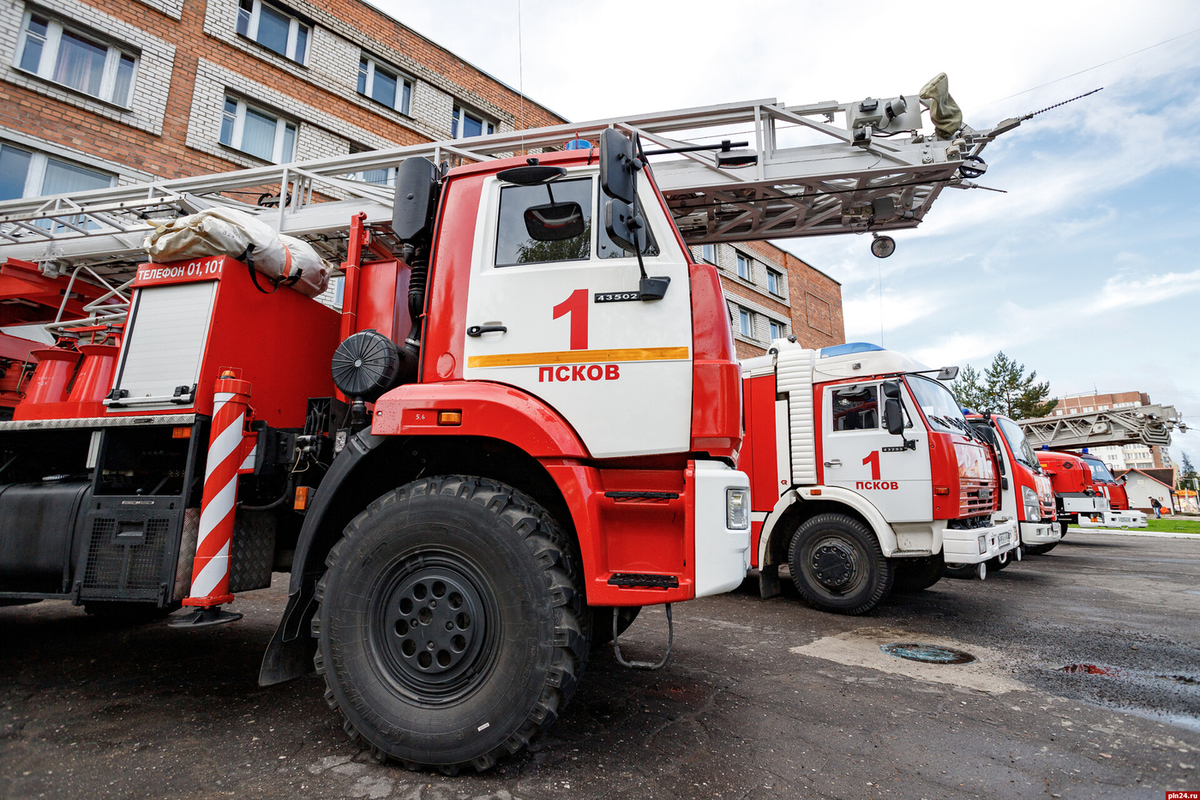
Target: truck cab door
561,319
859,454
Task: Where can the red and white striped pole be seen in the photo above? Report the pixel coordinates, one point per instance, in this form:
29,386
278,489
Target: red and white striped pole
229,452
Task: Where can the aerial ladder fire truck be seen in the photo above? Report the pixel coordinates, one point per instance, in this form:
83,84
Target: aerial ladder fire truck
522,423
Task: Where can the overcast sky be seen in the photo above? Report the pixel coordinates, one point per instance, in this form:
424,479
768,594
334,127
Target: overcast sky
1085,271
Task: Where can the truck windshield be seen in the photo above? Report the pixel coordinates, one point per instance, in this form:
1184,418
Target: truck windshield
940,407
1015,437
1100,473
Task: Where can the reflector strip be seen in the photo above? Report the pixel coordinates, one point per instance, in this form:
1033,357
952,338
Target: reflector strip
580,357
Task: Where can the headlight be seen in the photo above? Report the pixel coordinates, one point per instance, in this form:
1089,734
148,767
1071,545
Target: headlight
737,509
983,544
1032,510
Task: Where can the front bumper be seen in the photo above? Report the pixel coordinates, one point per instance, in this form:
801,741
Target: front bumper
722,554
1113,519
1040,533
962,546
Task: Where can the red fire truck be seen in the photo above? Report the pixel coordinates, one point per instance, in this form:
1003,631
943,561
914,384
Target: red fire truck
864,476
1085,492
553,440
1026,494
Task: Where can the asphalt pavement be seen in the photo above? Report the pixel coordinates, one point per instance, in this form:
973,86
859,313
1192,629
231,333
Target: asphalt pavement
761,699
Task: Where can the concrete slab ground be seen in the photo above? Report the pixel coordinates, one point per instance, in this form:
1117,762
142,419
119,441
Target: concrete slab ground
762,699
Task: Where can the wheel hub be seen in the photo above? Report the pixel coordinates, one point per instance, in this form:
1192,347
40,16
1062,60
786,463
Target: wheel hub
433,630
834,563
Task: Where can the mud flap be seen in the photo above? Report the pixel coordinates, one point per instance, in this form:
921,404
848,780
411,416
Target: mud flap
290,653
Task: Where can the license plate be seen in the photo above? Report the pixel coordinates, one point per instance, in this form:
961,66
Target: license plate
1005,537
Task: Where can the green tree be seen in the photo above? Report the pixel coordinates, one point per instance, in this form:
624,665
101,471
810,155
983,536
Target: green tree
969,391
1013,393
1187,472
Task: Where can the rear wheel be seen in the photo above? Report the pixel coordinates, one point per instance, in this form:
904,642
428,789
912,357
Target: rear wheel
449,628
917,574
837,565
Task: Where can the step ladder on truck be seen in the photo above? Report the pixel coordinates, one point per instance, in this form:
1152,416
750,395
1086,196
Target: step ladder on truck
864,476
521,426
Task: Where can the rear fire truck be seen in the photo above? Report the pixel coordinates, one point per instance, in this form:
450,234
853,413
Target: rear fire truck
522,426
1025,492
864,476
1084,491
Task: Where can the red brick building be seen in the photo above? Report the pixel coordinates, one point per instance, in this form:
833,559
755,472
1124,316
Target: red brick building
773,294
114,91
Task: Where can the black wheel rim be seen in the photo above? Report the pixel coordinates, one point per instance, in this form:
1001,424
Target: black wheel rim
434,628
835,565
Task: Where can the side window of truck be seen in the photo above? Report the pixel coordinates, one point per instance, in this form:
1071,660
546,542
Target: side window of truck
856,408
545,223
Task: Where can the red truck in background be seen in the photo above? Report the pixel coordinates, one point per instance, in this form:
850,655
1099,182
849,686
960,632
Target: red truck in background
1026,493
1085,491
864,476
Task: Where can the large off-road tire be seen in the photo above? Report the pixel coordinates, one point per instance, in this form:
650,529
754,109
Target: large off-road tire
602,627
1040,549
1001,561
837,565
961,571
449,626
1062,526
917,574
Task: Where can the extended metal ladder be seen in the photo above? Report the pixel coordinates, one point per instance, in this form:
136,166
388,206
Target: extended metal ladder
1149,425
837,182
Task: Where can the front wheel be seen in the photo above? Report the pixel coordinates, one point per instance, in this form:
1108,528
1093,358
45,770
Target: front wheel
999,562
449,627
1062,527
1039,549
837,565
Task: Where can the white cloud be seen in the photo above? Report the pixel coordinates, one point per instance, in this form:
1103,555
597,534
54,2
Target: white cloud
1121,291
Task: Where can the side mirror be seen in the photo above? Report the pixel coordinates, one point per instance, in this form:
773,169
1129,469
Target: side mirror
618,166
415,201
947,374
624,225
891,389
894,412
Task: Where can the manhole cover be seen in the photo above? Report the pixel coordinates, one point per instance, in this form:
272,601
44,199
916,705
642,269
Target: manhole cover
929,653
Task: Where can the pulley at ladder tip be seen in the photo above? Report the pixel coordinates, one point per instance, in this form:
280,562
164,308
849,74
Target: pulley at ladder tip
205,618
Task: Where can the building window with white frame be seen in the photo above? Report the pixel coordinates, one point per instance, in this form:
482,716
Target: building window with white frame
257,132
383,176
708,252
775,283
28,173
274,29
384,85
743,266
75,59
778,330
467,123
745,323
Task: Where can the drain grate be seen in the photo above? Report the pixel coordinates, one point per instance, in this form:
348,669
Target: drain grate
928,653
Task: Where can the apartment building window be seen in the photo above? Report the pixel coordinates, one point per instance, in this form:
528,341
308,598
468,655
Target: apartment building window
257,132
778,330
274,29
708,252
75,59
743,266
384,176
384,85
774,283
26,173
745,323
468,123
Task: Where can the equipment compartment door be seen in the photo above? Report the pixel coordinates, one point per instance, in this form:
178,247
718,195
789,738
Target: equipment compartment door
560,319
855,436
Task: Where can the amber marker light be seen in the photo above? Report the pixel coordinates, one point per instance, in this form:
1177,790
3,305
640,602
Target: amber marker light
181,433
942,490
301,498
449,418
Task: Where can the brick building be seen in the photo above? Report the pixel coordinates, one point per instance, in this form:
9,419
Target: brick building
1117,457
773,294
112,92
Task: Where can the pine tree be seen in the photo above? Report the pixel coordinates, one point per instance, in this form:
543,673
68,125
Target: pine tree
969,391
1010,392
